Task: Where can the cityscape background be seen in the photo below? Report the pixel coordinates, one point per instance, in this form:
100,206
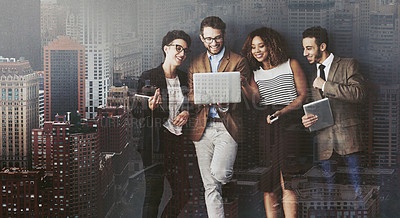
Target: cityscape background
71,124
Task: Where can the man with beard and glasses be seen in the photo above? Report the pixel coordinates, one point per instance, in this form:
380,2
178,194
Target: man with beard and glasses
215,129
339,80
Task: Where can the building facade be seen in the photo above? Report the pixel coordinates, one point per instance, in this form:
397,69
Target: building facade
112,129
19,111
70,153
88,22
64,77
24,193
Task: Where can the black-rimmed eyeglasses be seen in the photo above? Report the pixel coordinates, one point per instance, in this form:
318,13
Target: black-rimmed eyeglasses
179,48
209,40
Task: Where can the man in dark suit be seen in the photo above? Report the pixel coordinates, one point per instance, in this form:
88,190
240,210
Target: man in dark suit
215,129
340,81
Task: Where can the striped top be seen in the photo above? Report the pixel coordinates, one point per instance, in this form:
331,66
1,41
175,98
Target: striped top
276,86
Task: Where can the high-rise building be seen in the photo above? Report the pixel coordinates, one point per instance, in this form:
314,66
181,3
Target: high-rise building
385,126
383,49
84,172
258,13
112,129
118,196
19,110
316,198
20,35
155,19
88,22
70,153
303,14
64,81
52,21
345,36
24,193
51,151
123,96
385,178
41,98
313,202
127,46
127,57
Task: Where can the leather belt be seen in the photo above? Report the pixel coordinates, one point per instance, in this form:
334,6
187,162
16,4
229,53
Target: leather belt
211,119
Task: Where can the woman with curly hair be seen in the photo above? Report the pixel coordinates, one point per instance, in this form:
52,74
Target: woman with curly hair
280,86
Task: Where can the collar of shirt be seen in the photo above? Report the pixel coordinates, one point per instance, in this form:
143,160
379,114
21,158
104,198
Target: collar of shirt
215,60
327,63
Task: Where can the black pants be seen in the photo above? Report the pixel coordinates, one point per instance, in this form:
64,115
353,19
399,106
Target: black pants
173,168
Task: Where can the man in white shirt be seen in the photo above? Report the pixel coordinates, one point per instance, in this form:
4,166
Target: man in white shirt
340,81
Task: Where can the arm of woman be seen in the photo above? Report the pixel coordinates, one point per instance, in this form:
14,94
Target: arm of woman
250,89
155,101
301,87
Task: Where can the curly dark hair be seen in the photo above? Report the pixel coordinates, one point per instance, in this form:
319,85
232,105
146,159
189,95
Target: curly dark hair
275,43
213,22
175,34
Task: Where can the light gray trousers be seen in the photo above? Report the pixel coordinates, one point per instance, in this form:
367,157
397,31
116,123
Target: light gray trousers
216,153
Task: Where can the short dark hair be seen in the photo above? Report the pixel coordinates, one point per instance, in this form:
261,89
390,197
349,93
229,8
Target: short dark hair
275,43
213,22
175,34
320,34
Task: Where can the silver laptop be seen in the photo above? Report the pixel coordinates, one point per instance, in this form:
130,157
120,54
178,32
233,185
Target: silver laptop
219,87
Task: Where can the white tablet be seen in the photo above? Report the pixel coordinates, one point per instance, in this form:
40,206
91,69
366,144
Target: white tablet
219,87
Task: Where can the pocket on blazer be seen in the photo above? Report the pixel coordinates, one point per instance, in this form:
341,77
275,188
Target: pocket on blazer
349,122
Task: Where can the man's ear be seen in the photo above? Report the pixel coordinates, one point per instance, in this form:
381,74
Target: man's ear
201,38
322,47
165,49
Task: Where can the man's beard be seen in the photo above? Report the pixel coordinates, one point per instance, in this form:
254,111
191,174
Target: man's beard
318,56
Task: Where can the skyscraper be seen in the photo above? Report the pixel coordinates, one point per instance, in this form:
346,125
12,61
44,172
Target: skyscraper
70,153
112,129
20,35
23,193
89,24
127,46
345,36
52,21
127,57
19,110
64,82
155,19
303,14
385,127
383,49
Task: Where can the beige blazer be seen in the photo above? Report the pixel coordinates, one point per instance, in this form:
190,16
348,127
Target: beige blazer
345,89
232,119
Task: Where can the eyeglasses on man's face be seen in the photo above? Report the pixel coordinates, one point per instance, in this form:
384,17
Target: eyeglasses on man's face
179,48
209,40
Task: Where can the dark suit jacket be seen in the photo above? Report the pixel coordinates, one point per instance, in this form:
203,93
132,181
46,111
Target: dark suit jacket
151,127
345,89
157,78
232,119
